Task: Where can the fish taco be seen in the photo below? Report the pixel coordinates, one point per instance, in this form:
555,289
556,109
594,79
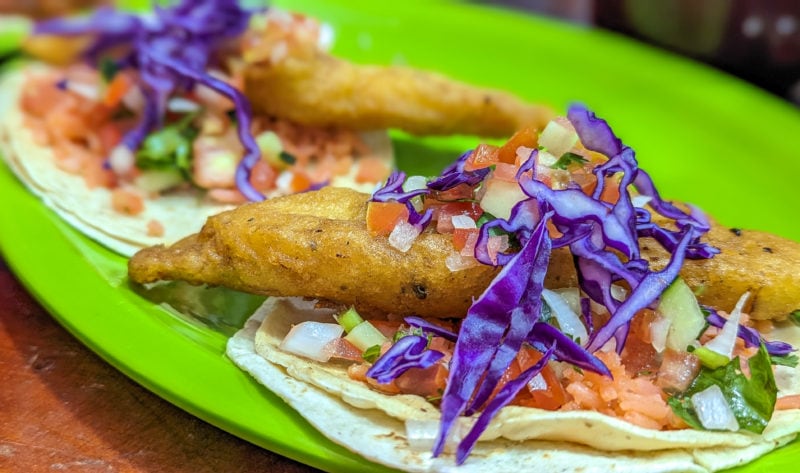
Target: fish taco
624,370
151,134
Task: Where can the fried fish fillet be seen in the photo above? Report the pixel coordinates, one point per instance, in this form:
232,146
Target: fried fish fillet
321,90
316,245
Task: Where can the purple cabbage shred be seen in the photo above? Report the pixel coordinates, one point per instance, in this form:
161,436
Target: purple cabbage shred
409,352
172,50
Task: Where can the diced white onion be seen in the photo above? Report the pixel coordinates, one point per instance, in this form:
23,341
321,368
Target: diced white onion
182,105
725,340
310,339
572,296
134,99
89,91
455,261
568,321
659,330
713,410
463,222
557,138
403,236
414,183
121,160
326,37
284,181
537,383
546,159
523,154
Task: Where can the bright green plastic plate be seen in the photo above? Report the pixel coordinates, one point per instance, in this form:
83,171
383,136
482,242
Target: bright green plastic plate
705,137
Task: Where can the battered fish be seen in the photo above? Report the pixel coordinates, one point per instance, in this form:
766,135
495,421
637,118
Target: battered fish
322,90
316,244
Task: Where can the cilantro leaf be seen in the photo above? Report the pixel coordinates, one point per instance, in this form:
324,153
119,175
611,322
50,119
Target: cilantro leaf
795,317
371,354
568,159
751,400
169,148
785,360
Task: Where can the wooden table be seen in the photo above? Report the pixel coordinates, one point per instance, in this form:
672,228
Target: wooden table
62,408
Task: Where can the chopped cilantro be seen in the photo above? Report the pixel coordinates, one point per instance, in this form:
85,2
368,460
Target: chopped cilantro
785,360
371,354
751,400
287,158
795,317
568,159
108,68
170,147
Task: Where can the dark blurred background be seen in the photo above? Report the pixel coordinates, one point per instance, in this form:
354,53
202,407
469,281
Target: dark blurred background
757,40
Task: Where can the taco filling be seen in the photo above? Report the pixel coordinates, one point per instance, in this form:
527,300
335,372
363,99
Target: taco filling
626,361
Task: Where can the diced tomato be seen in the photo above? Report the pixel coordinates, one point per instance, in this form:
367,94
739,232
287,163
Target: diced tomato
155,228
482,157
447,211
677,371
126,202
462,235
459,192
505,172
95,174
469,244
371,169
551,398
110,136
610,192
428,382
263,176
528,137
227,196
119,86
342,349
382,217
300,181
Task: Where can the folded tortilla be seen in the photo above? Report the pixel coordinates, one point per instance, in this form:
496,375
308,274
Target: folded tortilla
88,210
371,424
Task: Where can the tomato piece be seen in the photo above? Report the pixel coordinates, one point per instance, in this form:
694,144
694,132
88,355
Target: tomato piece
505,172
551,398
126,202
528,137
449,210
263,176
459,192
463,235
155,228
116,90
371,169
428,382
382,217
482,157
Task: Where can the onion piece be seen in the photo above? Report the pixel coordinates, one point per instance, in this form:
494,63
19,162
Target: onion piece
725,341
568,321
713,410
403,236
463,222
659,329
310,339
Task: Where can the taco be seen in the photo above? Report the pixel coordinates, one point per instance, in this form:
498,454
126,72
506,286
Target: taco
156,130
625,371
134,153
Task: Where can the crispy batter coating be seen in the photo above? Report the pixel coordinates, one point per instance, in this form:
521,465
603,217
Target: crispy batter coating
323,90
316,244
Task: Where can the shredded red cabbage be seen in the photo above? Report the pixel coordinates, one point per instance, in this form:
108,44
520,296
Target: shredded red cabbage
749,336
409,352
172,50
604,241
493,331
392,191
430,328
506,394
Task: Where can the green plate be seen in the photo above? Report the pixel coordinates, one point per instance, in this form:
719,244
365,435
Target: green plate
705,137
